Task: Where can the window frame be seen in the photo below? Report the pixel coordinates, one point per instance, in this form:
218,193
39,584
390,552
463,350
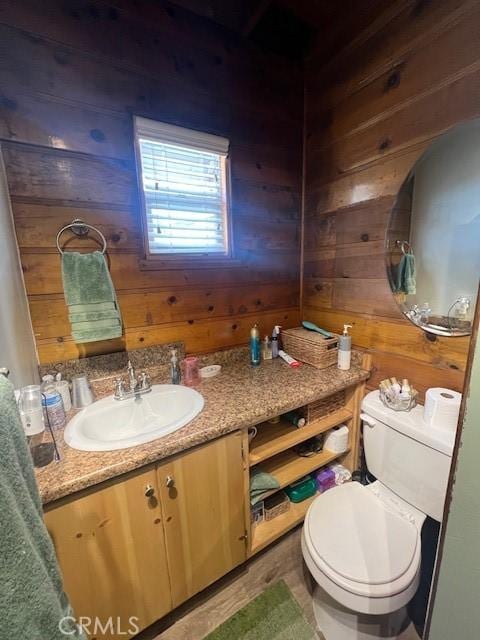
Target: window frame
154,260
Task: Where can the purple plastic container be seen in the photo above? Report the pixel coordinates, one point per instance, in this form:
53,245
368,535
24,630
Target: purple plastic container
325,479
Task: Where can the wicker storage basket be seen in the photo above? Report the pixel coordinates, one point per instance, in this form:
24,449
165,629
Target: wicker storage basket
276,505
324,407
310,347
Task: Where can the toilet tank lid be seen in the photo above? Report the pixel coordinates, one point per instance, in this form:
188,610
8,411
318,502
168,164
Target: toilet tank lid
410,423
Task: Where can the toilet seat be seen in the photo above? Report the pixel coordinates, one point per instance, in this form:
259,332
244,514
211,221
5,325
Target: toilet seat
362,549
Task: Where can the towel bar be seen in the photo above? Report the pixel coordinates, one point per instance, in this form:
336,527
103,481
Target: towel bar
403,244
80,229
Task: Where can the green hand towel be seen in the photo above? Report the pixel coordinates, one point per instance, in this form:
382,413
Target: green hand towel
96,306
86,278
90,296
99,324
93,334
260,483
95,311
32,600
407,275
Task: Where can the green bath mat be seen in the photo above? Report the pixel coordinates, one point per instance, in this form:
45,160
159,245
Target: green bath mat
273,615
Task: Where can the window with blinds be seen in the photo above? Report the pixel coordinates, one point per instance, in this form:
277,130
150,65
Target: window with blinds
183,180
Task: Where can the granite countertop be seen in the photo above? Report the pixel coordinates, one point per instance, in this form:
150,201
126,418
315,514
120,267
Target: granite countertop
240,396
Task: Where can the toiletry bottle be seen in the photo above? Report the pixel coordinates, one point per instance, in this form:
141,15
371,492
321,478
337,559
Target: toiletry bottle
295,418
345,349
52,403
63,389
406,392
267,348
278,328
255,346
175,371
275,341
396,388
289,360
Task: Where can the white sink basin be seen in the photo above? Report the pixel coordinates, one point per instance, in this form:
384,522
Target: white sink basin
111,424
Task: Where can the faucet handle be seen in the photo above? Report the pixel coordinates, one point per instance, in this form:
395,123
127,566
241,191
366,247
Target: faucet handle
144,380
119,388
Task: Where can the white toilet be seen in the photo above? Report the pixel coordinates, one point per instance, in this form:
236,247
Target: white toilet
362,544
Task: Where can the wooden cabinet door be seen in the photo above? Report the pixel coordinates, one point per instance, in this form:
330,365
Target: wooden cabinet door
111,549
202,496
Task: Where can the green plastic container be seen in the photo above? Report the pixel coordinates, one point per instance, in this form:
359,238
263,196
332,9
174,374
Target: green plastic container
301,489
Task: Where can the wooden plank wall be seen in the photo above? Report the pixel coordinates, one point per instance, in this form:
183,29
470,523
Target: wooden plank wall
74,72
370,113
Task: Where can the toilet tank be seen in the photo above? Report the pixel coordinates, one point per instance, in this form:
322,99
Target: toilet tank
409,456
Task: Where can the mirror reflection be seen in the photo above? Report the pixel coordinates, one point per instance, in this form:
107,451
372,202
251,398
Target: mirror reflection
433,237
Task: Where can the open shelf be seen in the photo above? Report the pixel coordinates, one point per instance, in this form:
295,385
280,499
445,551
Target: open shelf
269,530
288,466
272,439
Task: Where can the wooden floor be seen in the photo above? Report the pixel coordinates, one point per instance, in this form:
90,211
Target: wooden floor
203,613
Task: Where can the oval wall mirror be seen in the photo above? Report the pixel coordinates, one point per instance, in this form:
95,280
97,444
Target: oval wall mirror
433,236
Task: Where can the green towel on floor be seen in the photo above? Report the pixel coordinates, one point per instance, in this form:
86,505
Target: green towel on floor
32,600
261,482
90,296
407,275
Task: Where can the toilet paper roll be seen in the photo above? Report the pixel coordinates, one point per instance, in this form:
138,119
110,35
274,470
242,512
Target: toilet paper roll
442,407
337,439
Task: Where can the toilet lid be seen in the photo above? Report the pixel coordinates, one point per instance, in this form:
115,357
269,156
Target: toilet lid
355,534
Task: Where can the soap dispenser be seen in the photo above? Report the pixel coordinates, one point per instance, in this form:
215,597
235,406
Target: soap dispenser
345,349
175,371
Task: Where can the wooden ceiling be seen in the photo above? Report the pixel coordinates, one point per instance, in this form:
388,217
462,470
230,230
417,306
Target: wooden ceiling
333,22
233,14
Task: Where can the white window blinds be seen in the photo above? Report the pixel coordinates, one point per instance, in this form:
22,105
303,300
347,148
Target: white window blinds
183,178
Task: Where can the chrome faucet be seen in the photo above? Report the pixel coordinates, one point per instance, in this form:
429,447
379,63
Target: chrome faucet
137,386
132,377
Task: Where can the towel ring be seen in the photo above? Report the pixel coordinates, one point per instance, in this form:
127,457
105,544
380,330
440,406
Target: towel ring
404,244
80,229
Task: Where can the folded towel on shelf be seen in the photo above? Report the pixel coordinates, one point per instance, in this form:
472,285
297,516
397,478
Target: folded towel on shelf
261,482
90,296
32,600
407,275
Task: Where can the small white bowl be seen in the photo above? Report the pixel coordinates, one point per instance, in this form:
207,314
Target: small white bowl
210,371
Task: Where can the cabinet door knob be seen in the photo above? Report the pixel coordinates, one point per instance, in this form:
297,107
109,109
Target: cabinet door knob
149,491
169,482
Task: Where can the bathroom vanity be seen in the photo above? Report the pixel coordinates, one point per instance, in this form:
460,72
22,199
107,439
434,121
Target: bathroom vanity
139,531
143,543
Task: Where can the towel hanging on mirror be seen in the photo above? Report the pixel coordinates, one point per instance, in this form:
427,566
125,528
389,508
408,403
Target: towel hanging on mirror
407,274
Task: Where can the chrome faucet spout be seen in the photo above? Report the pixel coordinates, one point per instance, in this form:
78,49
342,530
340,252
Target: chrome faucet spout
132,377
137,386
